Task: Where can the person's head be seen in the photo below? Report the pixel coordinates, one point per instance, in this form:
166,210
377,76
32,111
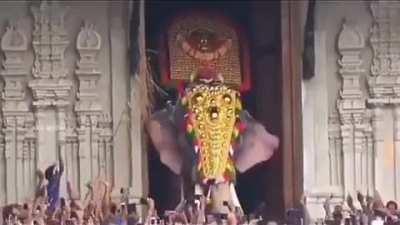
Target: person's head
26,206
131,208
74,205
391,206
50,171
337,213
74,215
63,203
113,208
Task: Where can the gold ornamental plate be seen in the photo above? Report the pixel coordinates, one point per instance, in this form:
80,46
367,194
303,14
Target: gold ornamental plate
204,42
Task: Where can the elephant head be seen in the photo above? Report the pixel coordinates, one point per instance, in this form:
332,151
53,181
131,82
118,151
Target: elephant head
207,136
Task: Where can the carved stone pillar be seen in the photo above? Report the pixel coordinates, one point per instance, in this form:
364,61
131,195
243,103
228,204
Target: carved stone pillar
351,106
384,93
94,138
397,149
379,148
88,107
347,131
15,110
3,166
369,156
120,98
10,153
61,137
51,88
83,131
335,151
359,159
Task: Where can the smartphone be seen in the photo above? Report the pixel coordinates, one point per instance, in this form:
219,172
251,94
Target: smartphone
169,212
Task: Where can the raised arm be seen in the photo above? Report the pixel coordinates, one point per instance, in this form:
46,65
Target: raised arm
61,164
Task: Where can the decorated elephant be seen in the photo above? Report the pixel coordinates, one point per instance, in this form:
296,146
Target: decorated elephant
206,136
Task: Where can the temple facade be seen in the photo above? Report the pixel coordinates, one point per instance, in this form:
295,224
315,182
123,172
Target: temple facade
350,107
67,90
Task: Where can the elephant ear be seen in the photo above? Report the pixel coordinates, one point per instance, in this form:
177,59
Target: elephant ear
164,136
256,144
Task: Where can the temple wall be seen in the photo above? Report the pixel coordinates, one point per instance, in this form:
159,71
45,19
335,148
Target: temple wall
65,90
351,106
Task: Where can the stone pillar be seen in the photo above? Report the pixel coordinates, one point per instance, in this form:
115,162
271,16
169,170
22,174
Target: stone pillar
83,131
359,152
347,131
15,110
120,97
3,175
93,122
9,135
397,149
351,105
379,148
139,168
51,88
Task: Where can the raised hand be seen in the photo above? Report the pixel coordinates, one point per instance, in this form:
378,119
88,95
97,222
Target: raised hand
328,214
349,201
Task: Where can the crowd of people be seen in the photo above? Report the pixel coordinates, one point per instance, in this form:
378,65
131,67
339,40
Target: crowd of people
365,211
99,208
108,212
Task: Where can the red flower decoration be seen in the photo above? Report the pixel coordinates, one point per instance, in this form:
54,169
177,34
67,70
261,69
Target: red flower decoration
241,127
181,88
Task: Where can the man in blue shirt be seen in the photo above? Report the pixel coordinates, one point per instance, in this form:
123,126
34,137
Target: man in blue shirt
53,176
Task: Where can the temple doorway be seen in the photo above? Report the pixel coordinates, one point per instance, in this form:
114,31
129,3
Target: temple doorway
262,187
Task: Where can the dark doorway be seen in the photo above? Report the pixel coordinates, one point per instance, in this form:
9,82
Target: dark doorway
261,23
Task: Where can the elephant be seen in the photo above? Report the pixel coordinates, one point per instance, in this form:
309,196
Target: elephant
167,131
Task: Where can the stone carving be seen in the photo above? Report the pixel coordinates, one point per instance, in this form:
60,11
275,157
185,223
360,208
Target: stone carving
88,39
51,88
385,43
349,126
88,74
94,127
18,121
335,151
49,43
384,90
351,107
369,123
40,119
